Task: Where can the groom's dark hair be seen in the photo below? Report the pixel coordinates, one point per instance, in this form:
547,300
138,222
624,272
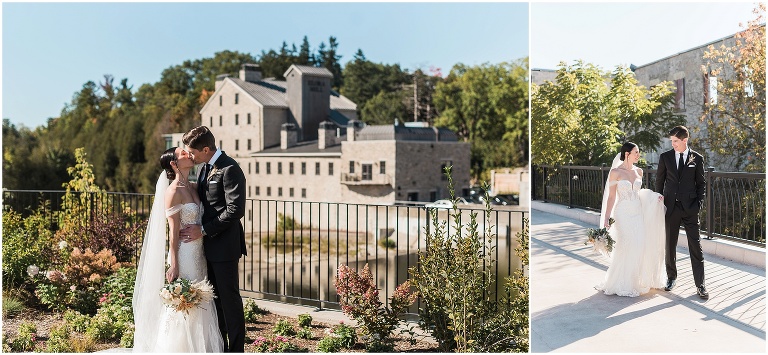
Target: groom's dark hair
199,137
680,132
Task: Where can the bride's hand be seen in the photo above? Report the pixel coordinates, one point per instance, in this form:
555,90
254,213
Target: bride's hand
172,273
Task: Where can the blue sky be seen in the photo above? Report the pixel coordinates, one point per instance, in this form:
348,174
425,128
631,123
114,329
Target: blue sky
609,34
51,49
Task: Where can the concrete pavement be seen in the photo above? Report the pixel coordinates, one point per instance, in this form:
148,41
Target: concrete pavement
569,315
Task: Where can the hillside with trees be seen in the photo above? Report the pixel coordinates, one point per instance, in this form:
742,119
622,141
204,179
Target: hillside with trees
121,126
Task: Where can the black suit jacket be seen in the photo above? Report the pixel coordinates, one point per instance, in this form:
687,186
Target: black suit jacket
222,193
687,185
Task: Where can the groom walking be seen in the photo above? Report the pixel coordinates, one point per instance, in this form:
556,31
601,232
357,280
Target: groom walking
221,186
680,179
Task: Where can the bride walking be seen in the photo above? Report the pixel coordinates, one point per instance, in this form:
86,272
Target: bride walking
638,257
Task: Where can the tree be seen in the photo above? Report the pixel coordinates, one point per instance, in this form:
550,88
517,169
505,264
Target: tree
330,61
735,114
385,107
585,115
479,103
364,80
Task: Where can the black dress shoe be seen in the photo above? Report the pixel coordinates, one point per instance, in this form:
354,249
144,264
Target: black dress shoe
670,284
702,292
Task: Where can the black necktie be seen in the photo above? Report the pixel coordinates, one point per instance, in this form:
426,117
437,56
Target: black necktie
680,163
204,173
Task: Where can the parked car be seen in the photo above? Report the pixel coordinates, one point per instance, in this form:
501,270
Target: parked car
446,203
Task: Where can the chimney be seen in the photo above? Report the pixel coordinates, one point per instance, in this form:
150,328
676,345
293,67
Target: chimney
288,135
250,73
220,80
353,127
326,135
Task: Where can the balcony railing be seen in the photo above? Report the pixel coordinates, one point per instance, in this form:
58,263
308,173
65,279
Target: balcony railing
294,248
359,179
734,205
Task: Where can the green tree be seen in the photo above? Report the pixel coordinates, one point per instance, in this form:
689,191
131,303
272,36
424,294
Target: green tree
364,80
385,107
734,115
585,114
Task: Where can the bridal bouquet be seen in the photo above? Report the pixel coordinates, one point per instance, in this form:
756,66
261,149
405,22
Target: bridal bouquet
600,239
183,295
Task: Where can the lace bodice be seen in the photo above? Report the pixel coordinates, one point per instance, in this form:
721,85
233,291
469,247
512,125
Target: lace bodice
190,254
190,212
626,190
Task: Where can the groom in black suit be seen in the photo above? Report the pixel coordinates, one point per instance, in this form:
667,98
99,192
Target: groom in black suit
221,186
680,179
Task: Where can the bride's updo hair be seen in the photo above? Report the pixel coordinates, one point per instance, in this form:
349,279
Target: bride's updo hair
626,148
165,162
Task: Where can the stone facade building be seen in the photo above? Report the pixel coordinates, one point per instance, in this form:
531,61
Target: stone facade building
299,140
692,87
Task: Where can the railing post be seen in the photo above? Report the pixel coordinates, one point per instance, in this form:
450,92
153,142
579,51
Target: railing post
544,181
570,188
533,182
710,204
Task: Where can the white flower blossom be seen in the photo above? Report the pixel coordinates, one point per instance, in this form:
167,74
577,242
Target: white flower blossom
32,270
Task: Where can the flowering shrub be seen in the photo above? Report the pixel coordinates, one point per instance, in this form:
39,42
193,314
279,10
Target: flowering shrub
25,339
304,333
26,241
283,327
77,321
329,344
345,334
359,298
115,231
59,340
276,344
110,322
305,320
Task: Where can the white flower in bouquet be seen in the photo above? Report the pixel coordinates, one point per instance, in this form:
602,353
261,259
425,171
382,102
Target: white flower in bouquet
601,239
182,295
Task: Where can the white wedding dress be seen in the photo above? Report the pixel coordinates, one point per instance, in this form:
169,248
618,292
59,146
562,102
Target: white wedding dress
177,332
638,256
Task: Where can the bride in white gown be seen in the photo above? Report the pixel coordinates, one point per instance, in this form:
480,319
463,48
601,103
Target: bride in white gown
159,328
637,261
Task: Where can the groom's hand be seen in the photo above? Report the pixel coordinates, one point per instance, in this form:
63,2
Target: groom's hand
191,233
661,197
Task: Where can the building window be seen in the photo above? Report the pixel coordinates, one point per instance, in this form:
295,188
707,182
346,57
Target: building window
290,168
367,171
680,95
413,196
433,195
220,100
280,168
249,144
279,191
221,121
211,125
711,96
250,215
330,169
317,168
237,144
249,191
290,192
237,119
257,167
237,97
443,165
221,145
382,167
304,193
269,168
249,168
249,118
351,167
257,191
303,168
269,190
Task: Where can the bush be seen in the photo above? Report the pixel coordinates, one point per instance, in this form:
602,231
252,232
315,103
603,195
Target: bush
387,243
305,320
329,344
12,306
25,339
346,335
76,321
113,231
276,344
26,241
59,340
111,321
284,328
304,333
118,288
126,341
252,311
359,298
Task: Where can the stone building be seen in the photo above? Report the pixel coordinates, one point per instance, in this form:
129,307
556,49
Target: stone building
692,87
299,140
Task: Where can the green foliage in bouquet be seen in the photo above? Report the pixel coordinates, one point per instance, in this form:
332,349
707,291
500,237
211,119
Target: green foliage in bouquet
600,238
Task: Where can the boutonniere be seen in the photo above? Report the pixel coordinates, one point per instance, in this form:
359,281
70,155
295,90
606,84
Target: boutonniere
691,160
213,172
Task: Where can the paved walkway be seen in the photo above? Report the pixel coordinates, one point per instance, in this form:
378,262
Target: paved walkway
569,315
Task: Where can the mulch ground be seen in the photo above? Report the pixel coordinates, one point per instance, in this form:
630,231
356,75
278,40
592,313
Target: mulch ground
262,327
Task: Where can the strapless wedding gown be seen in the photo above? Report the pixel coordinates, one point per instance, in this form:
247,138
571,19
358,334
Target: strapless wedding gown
197,331
638,255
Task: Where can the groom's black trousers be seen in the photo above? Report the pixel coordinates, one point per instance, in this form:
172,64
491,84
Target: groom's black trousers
229,304
691,224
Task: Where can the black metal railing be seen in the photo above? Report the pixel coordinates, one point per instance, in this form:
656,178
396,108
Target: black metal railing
734,206
294,248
